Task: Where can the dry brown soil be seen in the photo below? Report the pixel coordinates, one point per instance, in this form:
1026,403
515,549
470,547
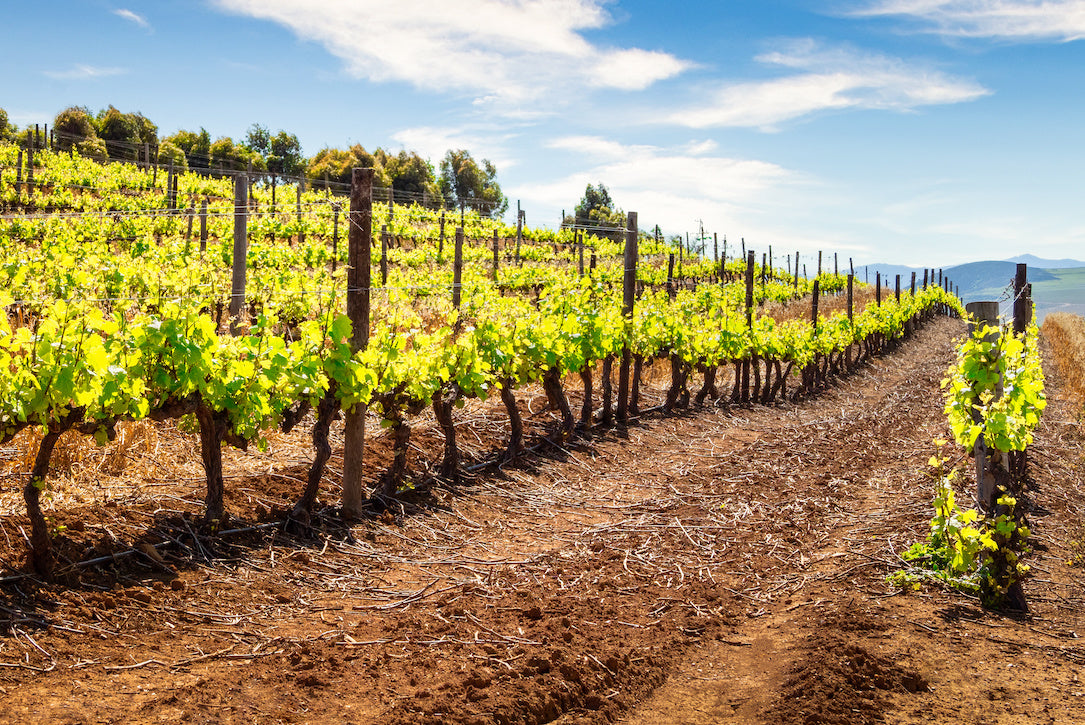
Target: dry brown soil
720,565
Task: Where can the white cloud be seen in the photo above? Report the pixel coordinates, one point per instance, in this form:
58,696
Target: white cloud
1058,20
634,69
826,79
431,142
699,148
597,147
83,72
133,18
670,187
513,50
22,117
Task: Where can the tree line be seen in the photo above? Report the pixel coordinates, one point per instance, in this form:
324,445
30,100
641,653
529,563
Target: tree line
459,180
110,134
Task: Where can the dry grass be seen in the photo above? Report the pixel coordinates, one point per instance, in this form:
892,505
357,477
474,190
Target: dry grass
827,305
1066,335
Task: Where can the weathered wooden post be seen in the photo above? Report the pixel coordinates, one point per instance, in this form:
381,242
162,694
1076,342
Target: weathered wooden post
441,238
629,290
984,313
495,258
580,251
301,188
203,225
335,235
359,277
519,230
457,269
1021,313
29,165
750,263
1022,317
851,298
671,292
384,255
241,251
169,188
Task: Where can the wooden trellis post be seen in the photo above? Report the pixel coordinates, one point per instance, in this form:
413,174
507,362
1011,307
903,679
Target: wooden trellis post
241,251
983,313
359,279
629,289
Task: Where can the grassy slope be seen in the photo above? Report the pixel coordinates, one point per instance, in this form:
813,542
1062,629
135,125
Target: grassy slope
1060,290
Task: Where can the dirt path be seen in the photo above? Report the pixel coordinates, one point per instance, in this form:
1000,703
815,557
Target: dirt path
711,567
838,647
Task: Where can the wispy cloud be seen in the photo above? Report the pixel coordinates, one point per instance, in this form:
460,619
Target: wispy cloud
672,187
509,51
824,80
431,142
1057,20
133,17
82,72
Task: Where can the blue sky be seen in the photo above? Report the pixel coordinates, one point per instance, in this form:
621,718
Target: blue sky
921,132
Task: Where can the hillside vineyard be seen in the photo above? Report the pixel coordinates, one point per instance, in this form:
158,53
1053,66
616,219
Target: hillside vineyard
119,294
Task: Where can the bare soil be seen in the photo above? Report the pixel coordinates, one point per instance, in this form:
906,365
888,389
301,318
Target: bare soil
721,565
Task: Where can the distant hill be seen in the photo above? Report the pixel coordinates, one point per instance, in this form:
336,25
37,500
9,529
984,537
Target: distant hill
1065,292
1057,284
1033,261
868,273
987,280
